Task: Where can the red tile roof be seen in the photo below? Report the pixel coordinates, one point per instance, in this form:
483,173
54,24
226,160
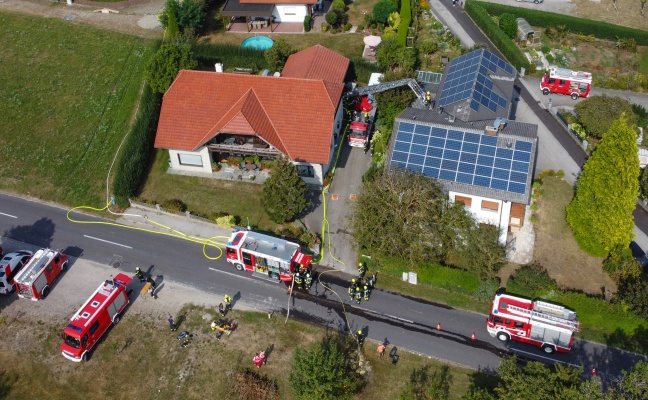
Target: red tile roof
317,62
294,115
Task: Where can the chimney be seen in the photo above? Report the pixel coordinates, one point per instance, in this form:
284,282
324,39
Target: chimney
219,67
490,130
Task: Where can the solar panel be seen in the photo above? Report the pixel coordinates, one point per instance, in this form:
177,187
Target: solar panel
464,157
429,77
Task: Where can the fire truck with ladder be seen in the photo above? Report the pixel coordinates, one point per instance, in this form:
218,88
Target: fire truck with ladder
95,316
565,81
362,122
543,324
265,256
36,277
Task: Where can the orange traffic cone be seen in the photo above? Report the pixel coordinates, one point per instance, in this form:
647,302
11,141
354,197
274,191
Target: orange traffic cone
472,337
439,326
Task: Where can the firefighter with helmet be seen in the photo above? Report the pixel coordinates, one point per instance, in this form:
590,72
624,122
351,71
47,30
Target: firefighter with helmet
428,97
360,337
228,302
362,269
352,287
367,292
139,274
358,294
308,280
299,281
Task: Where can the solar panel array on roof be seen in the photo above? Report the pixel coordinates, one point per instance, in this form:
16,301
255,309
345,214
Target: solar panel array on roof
464,157
429,77
468,77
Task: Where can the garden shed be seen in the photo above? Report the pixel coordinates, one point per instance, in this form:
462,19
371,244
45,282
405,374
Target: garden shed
526,33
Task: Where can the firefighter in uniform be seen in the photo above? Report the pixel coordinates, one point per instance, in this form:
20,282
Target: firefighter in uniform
308,281
367,292
362,269
428,98
140,275
299,281
360,338
228,302
352,287
358,294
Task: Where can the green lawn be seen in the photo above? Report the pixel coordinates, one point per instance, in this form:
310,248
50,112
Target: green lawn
68,93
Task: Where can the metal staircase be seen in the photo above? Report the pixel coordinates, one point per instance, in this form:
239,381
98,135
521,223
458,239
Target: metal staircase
382,87
544,317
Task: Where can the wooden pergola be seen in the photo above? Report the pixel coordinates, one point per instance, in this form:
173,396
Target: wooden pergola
234,8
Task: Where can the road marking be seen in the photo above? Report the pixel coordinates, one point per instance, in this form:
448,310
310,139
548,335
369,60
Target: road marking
107,241
8,215
383,314
228,273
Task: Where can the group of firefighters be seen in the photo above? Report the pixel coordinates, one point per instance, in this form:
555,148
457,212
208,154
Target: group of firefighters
357,290
303,277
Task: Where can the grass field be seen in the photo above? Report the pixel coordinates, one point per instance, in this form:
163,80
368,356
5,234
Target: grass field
68,93
140,359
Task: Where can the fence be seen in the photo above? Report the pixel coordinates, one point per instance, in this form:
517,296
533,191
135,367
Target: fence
159,209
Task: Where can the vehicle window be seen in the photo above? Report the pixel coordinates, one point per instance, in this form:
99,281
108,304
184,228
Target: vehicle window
230,250
57,259
94,328
2,284
49,268
84,340
562,82
247,258
508,322
498,320
552,81
71,341
518,325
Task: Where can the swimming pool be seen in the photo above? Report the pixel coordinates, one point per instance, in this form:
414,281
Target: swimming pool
258,42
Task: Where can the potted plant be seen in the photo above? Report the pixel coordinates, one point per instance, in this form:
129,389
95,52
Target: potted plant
216,167
266,165
233,161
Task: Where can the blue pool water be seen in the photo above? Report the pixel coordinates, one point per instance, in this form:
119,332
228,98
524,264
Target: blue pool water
258,42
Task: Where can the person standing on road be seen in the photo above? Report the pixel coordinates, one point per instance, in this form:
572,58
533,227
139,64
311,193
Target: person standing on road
151,281
139,275
228,302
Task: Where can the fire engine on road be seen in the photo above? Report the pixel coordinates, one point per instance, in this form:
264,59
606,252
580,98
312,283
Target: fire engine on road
565,81
93,319
36,277
361,125
543,324
265,255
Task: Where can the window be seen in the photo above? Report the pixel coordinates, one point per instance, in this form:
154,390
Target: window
94,304
489,205
247,258
290,10
94,328
190,159
518,325
498,320
230,250
552,81
467,201
305,171
562,82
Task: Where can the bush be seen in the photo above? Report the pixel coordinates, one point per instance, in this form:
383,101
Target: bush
382,10
338,5
174,205
406,20
531,280
331,18
325,27
360,27
347,26
510,51
226,221
250,385
642,117
307,23
508,24
230,55
134,159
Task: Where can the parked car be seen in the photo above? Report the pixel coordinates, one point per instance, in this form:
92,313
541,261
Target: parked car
9,266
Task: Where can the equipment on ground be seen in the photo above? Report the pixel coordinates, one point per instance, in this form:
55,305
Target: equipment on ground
543,324
565,81
95,316
35,278
264,255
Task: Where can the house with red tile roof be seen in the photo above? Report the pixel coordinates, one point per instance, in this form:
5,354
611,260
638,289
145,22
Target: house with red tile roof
209,117
274,10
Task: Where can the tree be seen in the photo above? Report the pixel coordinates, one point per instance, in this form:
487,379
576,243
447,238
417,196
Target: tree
382,10
165,64
423,385
483,255
620,262
331,18
395,56
634,383
172,29
508,24
406,216
284,193
277,55
596,113
190,14
338,5
633,292
323,370
600,215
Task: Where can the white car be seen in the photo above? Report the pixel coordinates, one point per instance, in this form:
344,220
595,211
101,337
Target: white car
10,264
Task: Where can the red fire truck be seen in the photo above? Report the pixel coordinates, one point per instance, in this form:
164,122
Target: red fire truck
264,255
93,319
565,81
362,122
34,280
543,324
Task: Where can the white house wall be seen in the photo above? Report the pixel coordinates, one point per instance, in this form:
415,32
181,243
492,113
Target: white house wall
289,12
176,155
499,218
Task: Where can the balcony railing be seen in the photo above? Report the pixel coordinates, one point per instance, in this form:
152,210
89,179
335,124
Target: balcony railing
247,148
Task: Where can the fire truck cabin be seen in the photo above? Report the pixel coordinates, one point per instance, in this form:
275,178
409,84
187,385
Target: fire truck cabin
264,255
543,324
94,318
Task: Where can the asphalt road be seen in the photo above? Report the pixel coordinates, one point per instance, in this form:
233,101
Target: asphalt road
405,322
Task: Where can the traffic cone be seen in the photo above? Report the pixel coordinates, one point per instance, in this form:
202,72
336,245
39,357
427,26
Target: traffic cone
593,371
472,337
439,326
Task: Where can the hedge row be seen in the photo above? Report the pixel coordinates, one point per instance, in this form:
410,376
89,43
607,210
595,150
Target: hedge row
406,20
136,150
601,30
230,55
510,51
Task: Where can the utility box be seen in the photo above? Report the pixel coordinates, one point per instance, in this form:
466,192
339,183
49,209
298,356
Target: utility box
405,276
413,278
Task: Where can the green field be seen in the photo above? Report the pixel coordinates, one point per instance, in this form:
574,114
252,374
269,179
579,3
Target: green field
68,93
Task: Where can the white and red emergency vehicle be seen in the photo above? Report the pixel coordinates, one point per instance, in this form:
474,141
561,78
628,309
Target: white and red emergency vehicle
93,319
10,264
543,324
361,126
565,81
265,255
36,277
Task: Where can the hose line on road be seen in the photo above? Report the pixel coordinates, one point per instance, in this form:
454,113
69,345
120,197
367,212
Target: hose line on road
346,318
173,232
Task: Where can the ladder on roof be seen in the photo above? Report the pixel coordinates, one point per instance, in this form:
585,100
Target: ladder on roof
34,266
539,315
570,74
382,87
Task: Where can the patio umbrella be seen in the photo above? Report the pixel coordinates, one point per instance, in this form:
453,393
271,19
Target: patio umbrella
372,41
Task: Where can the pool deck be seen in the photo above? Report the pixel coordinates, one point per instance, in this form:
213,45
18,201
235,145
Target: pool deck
278,27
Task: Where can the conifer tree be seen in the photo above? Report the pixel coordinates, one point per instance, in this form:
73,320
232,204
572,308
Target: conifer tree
600,215
284,193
